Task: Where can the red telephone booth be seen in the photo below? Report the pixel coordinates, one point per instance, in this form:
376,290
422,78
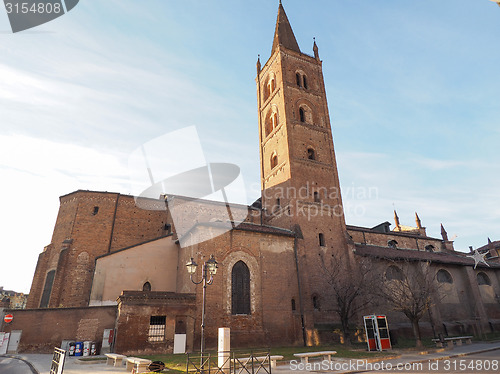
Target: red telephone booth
377,333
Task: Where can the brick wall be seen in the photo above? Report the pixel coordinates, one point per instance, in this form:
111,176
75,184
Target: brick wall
134,312
44,329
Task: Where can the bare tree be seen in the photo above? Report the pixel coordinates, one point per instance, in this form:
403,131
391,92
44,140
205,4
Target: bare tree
410,288
352,283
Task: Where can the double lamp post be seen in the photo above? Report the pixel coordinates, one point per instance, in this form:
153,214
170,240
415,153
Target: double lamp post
209,269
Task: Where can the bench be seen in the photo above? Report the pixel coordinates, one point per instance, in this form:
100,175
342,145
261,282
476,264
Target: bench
137,365
260,360
304,357
457,340
114,359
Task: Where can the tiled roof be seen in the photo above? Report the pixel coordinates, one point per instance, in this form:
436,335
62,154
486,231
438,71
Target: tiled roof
247,226
456,258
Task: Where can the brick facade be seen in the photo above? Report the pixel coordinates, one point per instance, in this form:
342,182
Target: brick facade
44,329
90,224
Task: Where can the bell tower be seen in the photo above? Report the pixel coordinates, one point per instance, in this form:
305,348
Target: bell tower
299,179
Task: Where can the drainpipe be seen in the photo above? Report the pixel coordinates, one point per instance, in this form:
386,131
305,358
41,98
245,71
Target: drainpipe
298,234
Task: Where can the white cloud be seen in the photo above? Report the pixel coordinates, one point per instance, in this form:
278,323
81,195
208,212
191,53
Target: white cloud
34,173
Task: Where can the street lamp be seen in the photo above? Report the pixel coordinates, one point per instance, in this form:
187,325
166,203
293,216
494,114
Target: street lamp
207,277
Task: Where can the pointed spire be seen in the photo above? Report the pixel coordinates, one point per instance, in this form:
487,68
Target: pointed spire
417,221
489,241
283,35
258,65
444,234
316,50
396,220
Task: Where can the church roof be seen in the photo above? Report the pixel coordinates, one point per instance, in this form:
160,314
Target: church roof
247,226
283,35
455,258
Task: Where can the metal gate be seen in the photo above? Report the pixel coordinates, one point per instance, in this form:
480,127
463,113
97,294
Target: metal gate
15,337
234,362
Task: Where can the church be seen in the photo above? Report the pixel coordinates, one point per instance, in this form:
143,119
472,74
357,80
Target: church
118,262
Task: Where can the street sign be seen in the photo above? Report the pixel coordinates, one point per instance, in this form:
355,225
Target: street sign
8,318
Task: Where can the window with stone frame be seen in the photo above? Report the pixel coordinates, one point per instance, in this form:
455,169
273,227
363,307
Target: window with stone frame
394,273
483,279
444,277
240,289
274,161
157,328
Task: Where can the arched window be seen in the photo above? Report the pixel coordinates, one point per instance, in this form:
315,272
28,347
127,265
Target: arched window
240,288
304,81
444,277
394,273
272,85
274,161
311,155
293,305
392,244
47,289
315,301
146,287
271,121
321,238
302,115
429,248
274,119
297,77
483,279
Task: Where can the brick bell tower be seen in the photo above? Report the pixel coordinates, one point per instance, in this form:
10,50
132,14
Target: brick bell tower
299,179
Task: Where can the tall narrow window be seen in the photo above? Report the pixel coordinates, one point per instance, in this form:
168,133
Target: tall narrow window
293,305
304,81
321,238
302,115
275,120
157,328
316,197
240,288
311,155
315,301
297,77
47,289
274,161
273,85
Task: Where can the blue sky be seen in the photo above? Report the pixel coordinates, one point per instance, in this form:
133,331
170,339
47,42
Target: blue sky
413,91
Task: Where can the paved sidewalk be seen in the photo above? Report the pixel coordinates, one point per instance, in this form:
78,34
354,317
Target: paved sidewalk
73,366
359,365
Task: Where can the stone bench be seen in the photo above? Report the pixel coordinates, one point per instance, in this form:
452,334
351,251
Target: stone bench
114,359
137,365
457,340
260,360
304,357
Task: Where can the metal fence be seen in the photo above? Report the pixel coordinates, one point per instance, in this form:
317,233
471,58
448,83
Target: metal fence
230,362
57,364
